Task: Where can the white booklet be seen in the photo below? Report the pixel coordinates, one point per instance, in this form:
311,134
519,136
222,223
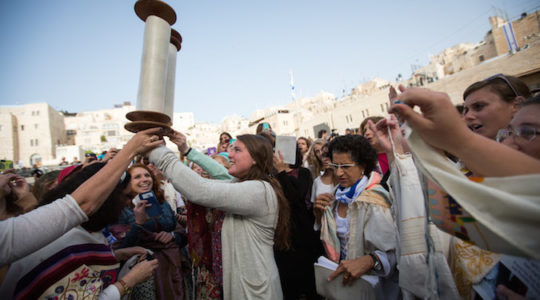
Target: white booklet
362,288
287,145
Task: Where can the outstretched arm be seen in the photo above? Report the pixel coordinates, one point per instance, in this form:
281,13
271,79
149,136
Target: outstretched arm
440,126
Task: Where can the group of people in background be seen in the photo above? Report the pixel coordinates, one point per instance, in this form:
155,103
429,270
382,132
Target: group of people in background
426,203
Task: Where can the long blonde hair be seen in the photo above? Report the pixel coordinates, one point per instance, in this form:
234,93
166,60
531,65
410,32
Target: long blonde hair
315,165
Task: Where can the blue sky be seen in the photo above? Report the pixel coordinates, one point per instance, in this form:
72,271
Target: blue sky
81,55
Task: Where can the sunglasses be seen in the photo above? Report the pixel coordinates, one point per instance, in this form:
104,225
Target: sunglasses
505,79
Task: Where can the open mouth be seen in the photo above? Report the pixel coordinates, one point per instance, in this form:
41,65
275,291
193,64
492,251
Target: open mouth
475,128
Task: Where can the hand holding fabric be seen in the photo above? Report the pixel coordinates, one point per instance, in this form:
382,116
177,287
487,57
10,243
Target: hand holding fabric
320,205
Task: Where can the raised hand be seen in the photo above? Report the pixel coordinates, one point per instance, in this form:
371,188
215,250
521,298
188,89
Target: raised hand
179,139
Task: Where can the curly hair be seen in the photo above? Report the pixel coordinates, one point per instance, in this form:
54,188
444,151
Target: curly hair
361,151
261,152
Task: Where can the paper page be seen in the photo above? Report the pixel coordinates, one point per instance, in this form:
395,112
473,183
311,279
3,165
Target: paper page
287,145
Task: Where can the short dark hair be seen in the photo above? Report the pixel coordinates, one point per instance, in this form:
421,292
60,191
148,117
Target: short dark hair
361,151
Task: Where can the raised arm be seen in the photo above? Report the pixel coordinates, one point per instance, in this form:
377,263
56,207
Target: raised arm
440,126
242,198
24,234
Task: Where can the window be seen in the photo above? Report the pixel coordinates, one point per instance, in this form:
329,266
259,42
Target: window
37,112
22,127
481,58
382,108
350,118
32,142
0,127
36,142
35,126
33,113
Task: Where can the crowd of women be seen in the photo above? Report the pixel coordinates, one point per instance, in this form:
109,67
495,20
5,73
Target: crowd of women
427,203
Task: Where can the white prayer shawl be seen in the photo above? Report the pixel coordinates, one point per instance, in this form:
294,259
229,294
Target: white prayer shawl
507,209
420,256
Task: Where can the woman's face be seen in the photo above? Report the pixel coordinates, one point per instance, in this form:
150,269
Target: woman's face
224,146
527,116
485,112
223,138
347,175
141,180
302,145
240,160
370,136
318,151
326,160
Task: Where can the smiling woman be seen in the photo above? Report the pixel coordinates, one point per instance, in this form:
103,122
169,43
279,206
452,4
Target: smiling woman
257,213
155,234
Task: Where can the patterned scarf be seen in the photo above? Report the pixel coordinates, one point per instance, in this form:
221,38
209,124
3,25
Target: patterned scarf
348,194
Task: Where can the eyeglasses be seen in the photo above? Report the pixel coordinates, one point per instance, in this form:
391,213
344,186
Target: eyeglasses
505,79
344,167
525,132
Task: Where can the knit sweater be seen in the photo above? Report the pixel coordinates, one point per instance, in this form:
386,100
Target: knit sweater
249,268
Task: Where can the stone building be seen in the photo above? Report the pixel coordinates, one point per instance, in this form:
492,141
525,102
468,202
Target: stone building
30,133
99,130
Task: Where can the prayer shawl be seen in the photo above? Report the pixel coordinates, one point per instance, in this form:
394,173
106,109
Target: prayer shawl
423,269
506,210
361,242
78,265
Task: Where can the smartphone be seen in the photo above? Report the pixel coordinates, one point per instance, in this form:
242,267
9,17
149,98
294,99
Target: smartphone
152,211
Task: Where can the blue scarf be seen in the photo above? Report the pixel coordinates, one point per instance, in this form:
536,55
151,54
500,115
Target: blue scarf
348,194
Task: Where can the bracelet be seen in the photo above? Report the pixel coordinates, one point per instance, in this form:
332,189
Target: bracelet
186,154
127,288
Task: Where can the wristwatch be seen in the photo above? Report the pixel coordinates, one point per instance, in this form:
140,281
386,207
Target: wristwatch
377,266
127,288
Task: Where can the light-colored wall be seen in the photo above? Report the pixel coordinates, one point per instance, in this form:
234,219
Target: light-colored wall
9,149
39,128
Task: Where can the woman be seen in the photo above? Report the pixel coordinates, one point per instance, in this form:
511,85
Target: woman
491,103
442,128
357,228
224,142
23,234
155,234
256,214
382,159
296,264
523,132
80,263
327,182
304,144
314,158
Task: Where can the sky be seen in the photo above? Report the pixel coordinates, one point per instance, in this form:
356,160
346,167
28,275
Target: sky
236,56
